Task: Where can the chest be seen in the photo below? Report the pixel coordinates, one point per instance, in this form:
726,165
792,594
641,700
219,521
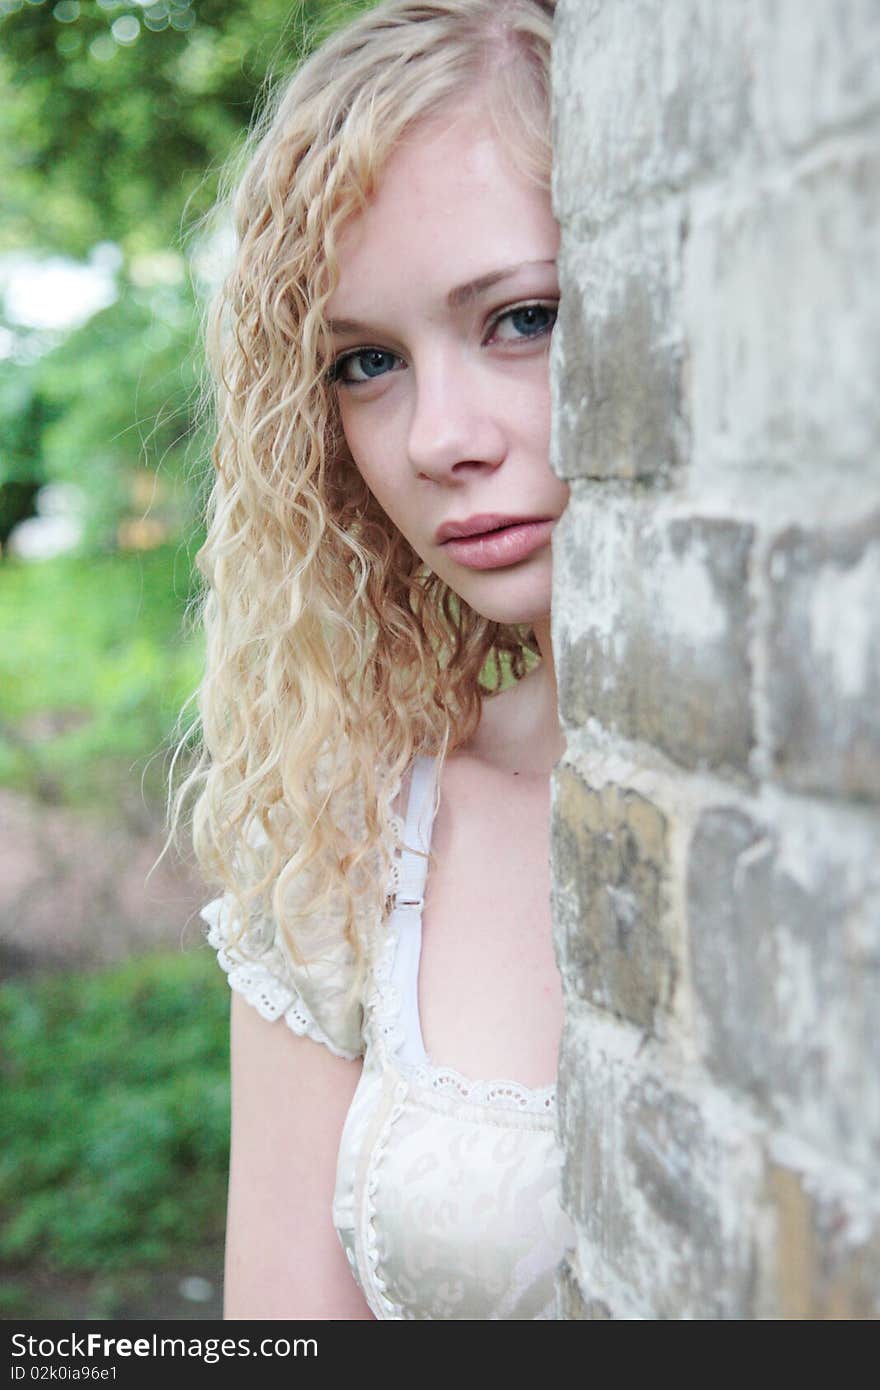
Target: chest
446,1197
490,998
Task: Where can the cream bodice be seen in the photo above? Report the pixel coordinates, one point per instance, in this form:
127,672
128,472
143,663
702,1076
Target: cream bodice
446,1198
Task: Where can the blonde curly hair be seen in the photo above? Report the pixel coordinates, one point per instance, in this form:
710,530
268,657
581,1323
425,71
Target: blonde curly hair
334,655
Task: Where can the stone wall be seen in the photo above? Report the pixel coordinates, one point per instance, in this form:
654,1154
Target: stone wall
716,817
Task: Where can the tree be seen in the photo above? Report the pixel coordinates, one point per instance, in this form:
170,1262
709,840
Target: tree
115,117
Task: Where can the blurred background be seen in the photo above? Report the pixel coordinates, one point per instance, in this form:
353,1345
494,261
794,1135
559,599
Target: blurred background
115,118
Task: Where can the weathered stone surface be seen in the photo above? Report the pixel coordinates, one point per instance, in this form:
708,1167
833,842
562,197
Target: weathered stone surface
662,1180
569,1299
715,616
595,1310
654,630
619,355
823,681
783,341
784,927
648,94
826,1247
609,857
816,71
652,95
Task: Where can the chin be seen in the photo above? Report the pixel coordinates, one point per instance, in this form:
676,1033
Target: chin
508,609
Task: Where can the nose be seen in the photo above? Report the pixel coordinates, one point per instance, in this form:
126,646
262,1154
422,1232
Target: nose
453,425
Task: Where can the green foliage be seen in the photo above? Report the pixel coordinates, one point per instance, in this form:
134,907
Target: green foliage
120,394
115,120
114,117
94,668
116,396
115,1119
24,413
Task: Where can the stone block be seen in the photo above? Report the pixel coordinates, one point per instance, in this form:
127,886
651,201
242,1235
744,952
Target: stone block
647,95
816,69
782,332
662,1178
784,928
653,629
652,95
609,856
823,660
570,1303
826,1252
618,354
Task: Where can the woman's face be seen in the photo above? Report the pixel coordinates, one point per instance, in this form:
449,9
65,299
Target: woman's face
441,326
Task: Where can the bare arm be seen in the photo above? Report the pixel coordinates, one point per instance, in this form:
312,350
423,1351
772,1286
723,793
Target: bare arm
290,1097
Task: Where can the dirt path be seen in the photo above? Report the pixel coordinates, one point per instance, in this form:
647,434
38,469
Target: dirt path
76,889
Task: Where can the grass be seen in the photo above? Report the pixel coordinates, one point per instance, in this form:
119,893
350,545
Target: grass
115,1118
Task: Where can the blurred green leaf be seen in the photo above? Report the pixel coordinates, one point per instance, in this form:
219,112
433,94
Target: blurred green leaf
114,1127
95,665
106,139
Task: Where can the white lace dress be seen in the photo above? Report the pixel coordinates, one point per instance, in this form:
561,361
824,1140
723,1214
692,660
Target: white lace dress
446,1199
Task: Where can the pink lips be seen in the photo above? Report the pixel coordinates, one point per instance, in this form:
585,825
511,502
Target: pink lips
494,549
479,525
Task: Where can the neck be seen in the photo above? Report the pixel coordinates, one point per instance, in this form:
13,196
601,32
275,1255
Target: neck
519,729
544,637
547,732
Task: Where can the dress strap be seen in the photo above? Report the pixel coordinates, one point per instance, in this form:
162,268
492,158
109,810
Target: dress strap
407,915
417,833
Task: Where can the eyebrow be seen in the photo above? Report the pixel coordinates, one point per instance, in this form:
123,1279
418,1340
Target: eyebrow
462,293
455,299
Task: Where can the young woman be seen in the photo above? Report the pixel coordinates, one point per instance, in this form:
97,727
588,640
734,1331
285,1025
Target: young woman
373,802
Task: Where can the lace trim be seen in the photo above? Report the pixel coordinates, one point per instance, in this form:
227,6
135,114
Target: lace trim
262,982
384,1003
500,1094
398,829
265,983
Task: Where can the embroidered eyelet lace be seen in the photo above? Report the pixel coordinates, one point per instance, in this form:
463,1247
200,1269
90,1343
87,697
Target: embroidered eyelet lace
265,983
397,832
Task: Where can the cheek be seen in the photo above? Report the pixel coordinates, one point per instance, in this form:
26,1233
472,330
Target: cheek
521,392
542,394
367,444
374,453
372,465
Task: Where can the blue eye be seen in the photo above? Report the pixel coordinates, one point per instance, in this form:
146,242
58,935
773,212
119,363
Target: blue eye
527,321
365,365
